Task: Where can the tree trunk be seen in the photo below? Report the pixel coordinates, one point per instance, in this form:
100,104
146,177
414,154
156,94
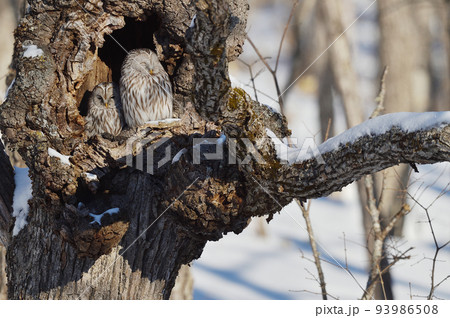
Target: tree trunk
409,84
167,212
346,80
184,285
6,202
3,282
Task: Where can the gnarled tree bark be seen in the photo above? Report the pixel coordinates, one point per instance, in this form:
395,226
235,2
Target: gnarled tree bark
166,216
6,202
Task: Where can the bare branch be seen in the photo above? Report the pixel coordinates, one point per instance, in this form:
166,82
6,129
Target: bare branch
252,78
381,93
312,242
273,71
311,179
403,211
284,33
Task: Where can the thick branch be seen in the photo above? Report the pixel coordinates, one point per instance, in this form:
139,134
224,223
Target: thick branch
368,154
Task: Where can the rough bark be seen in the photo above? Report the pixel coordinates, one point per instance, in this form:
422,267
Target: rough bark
166,216
6,196
3,282
184,285
6,201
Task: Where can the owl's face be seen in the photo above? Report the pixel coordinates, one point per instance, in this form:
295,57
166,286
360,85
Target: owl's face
106,96
145,62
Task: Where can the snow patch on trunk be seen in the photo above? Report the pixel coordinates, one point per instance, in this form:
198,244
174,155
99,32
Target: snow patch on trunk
64,159
32,51
22,193
98,217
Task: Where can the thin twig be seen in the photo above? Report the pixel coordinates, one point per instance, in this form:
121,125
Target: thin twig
395,260
384,184
252,78
312,242
327,133
405,209
345,251
379,234
438,248
284,33
381,93
382,282
273,71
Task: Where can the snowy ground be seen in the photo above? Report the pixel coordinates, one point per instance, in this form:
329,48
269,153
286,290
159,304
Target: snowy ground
250,266
278,265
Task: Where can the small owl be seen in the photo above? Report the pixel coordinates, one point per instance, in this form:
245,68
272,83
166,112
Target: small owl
145,88
105,110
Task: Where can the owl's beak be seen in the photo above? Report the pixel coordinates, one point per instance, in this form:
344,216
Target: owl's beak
106,104
151,71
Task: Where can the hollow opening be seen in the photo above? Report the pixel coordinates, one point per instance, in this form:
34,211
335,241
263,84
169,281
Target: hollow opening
135,34
107,192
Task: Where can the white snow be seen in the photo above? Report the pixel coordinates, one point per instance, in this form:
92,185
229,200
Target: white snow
178,155
91,176
64,159
22,193
408,122
236,82
98,217
251,266
9,88
193,21
292,155
32,51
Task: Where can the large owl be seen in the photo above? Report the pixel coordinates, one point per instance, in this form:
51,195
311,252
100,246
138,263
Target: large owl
105,110
145,88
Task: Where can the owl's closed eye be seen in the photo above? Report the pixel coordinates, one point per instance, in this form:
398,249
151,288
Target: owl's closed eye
145,88
105,110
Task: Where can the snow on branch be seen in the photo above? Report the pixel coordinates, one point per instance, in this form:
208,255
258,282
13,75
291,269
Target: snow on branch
64,159
406,122
376,144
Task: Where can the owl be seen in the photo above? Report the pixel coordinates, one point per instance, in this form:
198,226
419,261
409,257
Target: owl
105,110
145,88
